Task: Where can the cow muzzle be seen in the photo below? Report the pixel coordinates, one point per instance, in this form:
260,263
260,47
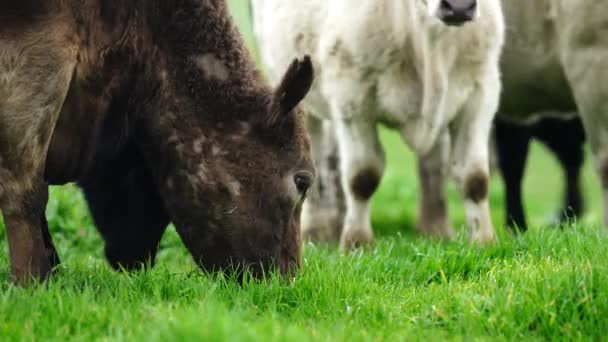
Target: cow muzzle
456,12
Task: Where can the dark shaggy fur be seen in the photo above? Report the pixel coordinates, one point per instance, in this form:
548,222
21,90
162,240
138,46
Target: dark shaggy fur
163,118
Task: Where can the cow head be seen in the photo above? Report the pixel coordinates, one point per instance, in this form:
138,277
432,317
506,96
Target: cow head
452,12
235,186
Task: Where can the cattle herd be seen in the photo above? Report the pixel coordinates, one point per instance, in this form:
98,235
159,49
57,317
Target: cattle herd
158,111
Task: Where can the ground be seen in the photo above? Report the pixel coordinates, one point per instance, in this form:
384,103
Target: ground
549,284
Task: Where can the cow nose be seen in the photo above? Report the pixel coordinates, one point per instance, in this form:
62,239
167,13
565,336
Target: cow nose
457,12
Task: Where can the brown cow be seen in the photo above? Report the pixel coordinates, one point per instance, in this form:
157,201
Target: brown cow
156,108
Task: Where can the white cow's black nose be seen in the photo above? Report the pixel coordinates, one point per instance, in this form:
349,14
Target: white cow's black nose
457,12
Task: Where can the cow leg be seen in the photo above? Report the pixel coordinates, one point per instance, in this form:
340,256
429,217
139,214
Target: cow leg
584,54
323,210
36,71
129,214
512,145
470,161
31,255
362,165
588,73
51,251
570,154
432,173
595,119
472,176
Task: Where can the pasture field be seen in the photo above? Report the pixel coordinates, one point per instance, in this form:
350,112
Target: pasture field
551,283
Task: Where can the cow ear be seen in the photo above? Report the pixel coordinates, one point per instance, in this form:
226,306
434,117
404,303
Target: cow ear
293,88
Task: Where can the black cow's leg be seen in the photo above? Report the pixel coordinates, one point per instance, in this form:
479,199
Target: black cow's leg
130,216
30,258
40,67
566,139
512,143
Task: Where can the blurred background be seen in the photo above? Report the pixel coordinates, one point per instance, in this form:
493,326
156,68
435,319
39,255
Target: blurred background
395,204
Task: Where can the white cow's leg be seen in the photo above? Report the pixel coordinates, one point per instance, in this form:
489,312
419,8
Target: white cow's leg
596,127
585,58
470,160
362,165
323,210
472,177
432,173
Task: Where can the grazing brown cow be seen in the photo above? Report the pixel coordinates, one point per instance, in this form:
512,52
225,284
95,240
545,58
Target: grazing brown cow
156,108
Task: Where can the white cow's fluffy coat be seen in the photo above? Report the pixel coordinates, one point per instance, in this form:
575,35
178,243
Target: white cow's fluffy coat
393,62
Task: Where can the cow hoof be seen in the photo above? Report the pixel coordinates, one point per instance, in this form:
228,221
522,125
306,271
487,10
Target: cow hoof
483,237
36,274
439,230
319,234
324,226
356,238
563,218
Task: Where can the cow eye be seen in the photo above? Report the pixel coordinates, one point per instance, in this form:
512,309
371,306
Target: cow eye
303,181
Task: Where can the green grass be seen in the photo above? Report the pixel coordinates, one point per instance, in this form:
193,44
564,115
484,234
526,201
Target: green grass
549,284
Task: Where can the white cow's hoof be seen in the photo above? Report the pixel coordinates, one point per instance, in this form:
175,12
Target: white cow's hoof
322,226
439,230
356,238
483,237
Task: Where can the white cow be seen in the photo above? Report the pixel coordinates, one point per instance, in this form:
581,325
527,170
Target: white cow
555,59
427,68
